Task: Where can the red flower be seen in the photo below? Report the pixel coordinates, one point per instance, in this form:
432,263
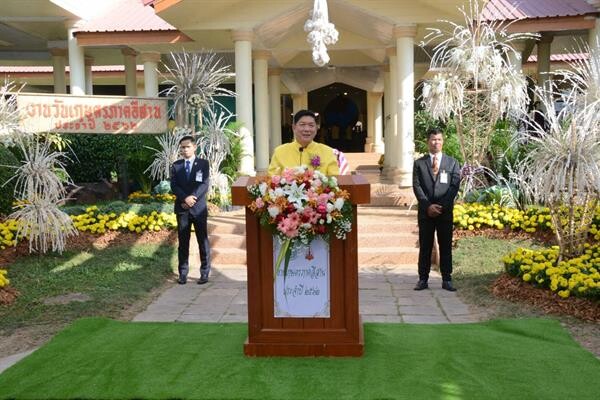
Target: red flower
321,229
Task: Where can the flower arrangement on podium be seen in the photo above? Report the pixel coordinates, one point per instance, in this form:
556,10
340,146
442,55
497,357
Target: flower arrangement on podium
300,205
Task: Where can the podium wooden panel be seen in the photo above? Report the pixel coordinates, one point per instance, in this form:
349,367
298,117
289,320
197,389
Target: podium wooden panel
339,335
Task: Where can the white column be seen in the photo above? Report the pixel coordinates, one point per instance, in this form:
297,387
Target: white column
76,62
517,62
373,120
150,60
594,35
391,147
261,107
243,102
299,101
378,133
130,71
89,81
405,107
275,108
543,60
387,118
59,61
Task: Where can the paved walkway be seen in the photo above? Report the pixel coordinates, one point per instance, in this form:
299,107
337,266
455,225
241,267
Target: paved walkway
386,295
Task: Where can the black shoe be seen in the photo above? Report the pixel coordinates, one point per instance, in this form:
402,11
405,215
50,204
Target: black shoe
421,285
182,280
447,285
203,279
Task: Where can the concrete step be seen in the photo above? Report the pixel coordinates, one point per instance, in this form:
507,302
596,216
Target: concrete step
388,255
395,239
232,227
366,255
386,235
227,240
365,239
386,227
361,161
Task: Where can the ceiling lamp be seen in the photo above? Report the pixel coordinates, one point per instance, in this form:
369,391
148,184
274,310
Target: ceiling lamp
321,32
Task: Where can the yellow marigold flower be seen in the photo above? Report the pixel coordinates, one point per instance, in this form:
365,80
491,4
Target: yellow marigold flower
527,277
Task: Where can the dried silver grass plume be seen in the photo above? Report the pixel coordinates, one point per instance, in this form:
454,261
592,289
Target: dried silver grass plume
475,83
196,78
46,226
214,145
584,80
167,154
40,189
9,115
562,169
37,176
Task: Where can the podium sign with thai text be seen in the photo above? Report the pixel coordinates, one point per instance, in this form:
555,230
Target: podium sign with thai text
304,291
91,114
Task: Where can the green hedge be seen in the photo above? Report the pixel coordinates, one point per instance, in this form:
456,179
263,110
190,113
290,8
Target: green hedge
119,207
7,159
97,157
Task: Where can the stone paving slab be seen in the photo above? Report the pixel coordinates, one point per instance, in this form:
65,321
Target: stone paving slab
7,362
385,295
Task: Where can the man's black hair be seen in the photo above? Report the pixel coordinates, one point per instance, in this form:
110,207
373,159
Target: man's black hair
434,131
187,137
304,113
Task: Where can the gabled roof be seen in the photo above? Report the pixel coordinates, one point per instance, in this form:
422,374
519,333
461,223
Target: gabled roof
529,9
48,69
129,16
568,57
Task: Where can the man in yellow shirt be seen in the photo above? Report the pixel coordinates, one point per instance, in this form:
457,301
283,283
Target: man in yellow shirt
303,151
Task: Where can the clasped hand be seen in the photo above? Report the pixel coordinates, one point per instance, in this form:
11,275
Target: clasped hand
434,210
189,202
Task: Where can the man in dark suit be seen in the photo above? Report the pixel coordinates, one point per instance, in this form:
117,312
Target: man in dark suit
189,183
436,179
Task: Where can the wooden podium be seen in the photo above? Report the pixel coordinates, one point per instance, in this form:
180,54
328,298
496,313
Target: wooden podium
339,335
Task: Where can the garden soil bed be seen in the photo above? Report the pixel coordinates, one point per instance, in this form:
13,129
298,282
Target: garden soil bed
514,289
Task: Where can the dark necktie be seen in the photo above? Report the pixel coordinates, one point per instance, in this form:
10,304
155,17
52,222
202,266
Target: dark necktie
434,166
187,169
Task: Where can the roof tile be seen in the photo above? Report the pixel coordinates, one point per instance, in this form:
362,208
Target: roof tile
127,15
516,9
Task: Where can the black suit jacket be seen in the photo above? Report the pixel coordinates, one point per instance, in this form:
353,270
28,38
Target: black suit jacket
431,191
183,187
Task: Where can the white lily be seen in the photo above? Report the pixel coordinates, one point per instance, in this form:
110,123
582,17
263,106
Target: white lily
296,194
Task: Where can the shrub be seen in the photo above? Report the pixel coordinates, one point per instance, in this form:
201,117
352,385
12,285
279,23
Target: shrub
231,165
97,156
7,159
424,122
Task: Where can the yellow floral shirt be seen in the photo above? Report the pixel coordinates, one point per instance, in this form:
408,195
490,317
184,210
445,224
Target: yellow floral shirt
289,155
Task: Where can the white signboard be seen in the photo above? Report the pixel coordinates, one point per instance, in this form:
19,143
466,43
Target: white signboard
91,114
304,291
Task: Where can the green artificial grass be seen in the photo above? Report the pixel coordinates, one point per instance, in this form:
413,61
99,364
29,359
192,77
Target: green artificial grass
503,359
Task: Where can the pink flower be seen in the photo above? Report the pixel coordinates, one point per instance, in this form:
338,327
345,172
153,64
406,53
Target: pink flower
276,179
322,209
289,175
323,198
289,226
260,203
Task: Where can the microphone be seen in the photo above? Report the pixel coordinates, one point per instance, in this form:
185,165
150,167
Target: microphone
301,149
